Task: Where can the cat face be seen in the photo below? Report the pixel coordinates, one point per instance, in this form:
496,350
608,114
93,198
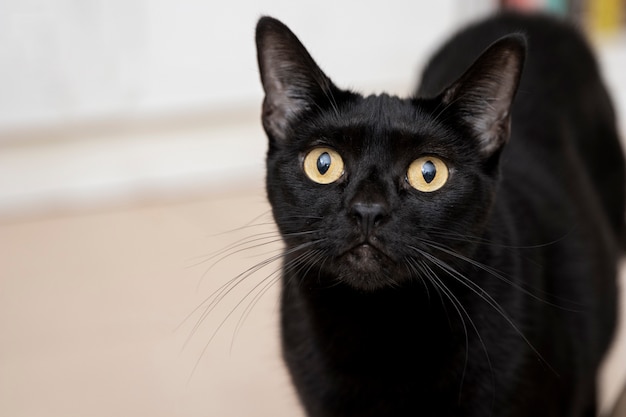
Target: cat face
368,191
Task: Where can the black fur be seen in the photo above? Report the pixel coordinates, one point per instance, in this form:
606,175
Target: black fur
494,295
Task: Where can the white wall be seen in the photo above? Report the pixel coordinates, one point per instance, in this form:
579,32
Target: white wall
109,101
74,60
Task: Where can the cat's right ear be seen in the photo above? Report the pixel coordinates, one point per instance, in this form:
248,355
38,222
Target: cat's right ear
292,81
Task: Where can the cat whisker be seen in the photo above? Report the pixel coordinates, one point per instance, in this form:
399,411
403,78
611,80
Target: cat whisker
237,244
252,223
263,286
501,276
422,269
446,233
223,322
456,302
458,98
273,278
223,290
416,270
324,85
295,265
236,249
426,274
246,244
213,300
481,293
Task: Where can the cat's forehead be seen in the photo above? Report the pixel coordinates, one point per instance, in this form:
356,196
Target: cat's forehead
378,119
384,111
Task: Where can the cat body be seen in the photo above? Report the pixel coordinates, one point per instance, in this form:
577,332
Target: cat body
482,282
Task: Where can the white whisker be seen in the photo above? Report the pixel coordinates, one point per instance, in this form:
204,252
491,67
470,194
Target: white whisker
481,293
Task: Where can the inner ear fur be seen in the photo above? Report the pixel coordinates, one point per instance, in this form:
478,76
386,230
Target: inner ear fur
482,97
292,81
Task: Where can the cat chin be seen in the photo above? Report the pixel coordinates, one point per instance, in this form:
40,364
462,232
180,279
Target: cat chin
367,269
367,283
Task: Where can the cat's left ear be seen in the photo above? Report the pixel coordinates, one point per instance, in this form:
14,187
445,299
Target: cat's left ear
292,81
483,96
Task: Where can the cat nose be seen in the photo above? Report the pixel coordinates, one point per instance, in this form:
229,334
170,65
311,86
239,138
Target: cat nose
369,215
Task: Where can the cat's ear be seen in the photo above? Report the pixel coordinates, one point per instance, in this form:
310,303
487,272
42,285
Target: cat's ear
483,96
292,81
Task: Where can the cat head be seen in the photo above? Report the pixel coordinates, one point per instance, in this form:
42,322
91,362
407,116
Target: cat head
372,191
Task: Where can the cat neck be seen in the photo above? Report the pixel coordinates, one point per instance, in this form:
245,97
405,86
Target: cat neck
378,340
397,321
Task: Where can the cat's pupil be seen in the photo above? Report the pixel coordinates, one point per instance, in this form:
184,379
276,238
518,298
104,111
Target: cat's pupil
429,171
323,163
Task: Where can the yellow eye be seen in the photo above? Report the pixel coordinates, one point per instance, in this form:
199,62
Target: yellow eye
427,174
323,165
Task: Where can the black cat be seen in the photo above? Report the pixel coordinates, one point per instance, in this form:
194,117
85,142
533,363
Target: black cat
452,254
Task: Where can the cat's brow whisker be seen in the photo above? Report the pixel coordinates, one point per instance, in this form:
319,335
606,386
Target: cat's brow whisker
458,98
324,86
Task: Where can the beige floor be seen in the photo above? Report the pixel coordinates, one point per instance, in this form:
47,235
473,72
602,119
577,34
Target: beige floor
93,308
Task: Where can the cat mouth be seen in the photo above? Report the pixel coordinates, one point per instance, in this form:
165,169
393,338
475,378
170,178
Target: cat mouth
366,250
367,256
366,266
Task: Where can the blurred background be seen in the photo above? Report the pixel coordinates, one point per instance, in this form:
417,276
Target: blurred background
131,151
